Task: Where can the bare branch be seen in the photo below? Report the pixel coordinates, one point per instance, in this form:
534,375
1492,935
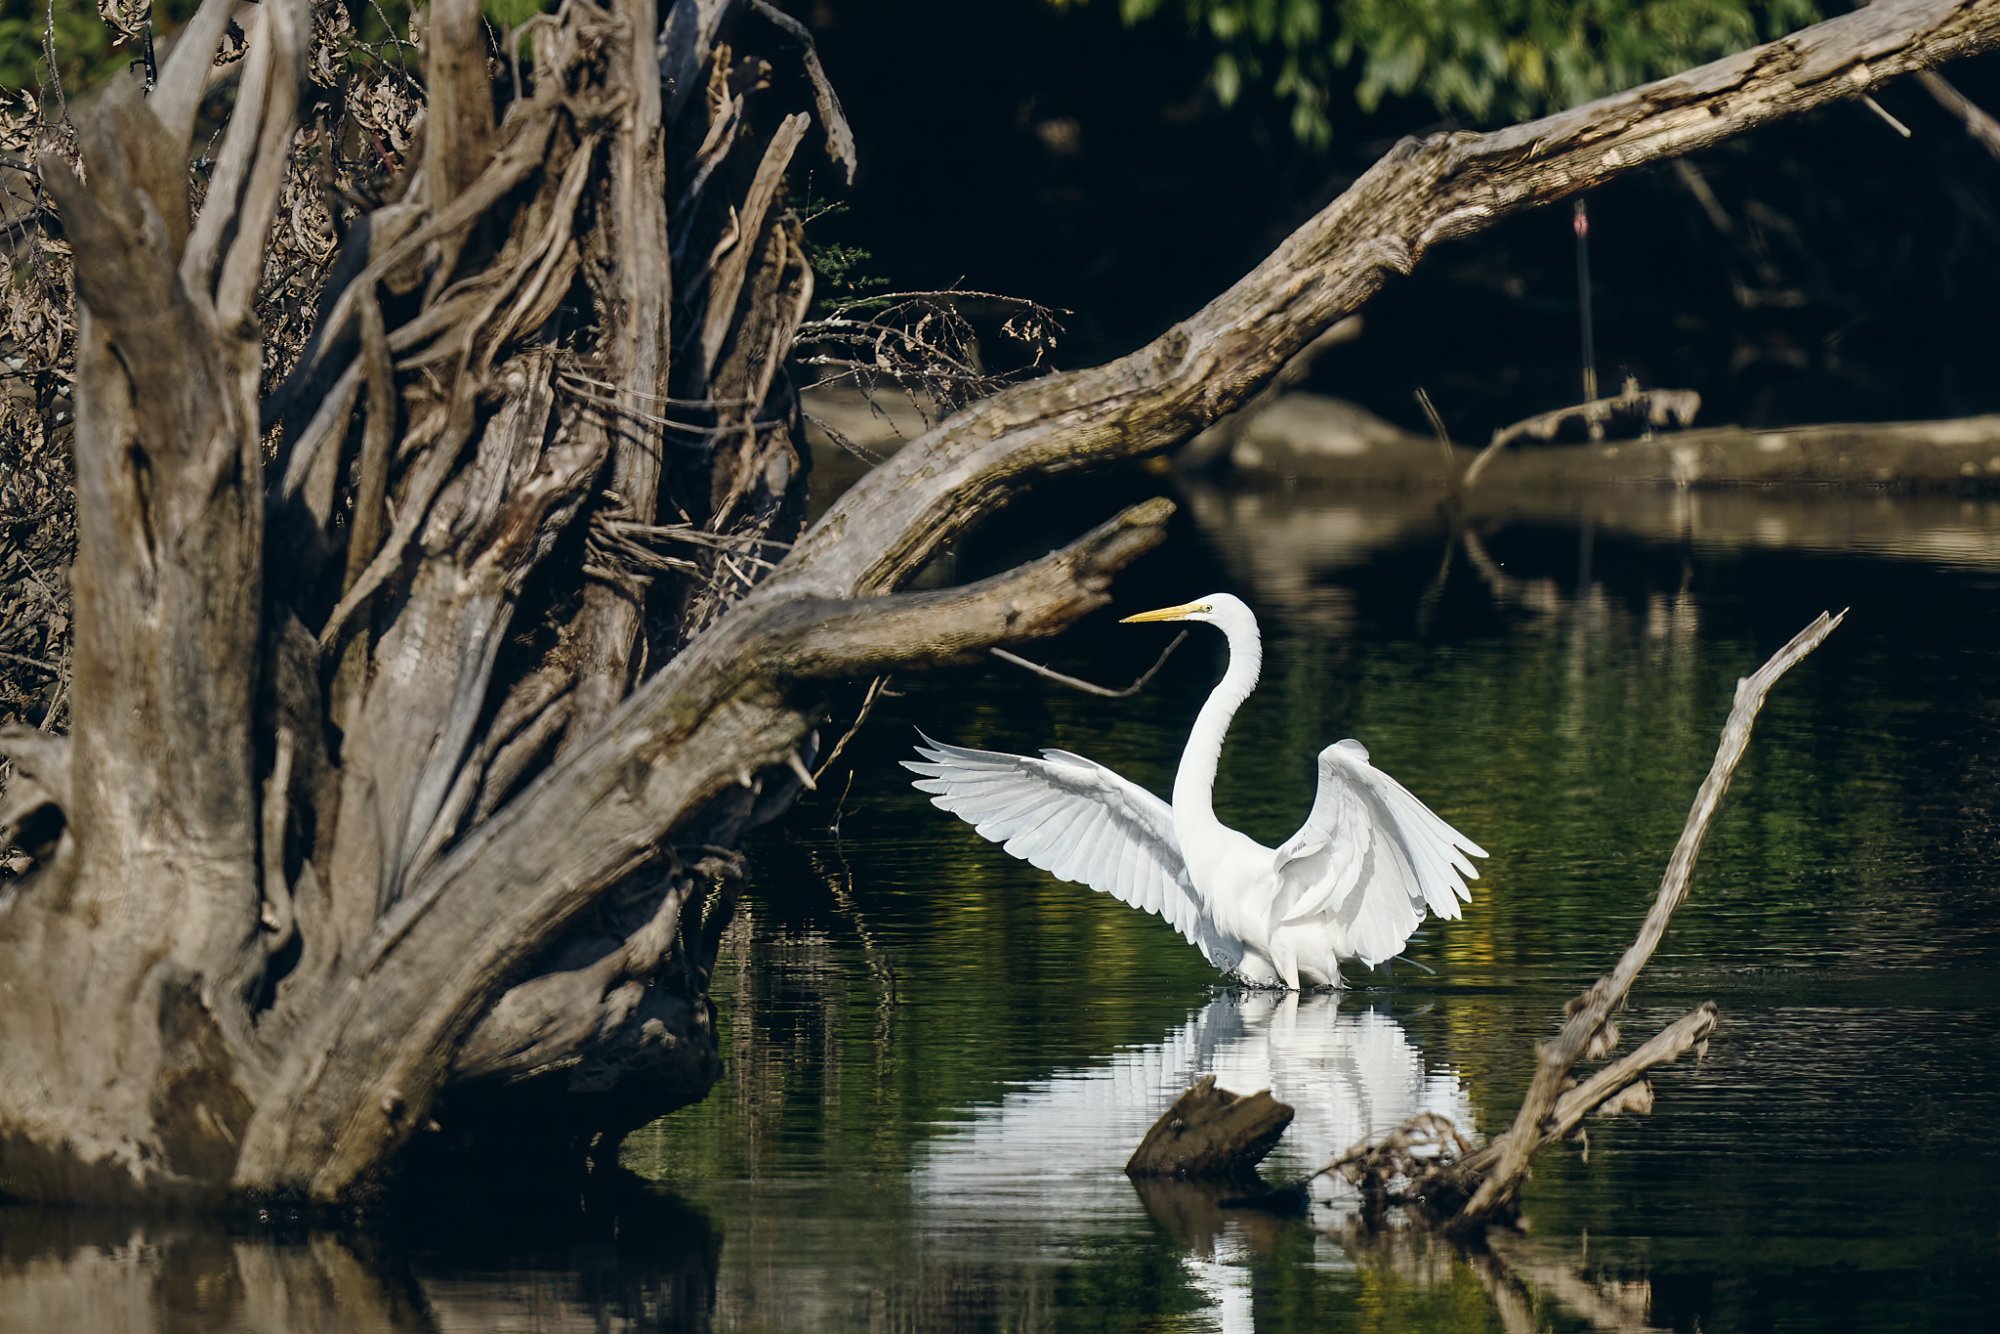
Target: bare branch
1979,122
1591,1012
832,120
875,688
1657,407
1091,687
177,94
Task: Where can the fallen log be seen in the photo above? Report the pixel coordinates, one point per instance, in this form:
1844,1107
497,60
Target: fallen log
1310,440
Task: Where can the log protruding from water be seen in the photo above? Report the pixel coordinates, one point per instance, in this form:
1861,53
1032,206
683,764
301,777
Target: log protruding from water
1211,1132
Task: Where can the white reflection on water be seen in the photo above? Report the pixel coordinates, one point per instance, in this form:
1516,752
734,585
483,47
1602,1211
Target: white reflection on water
1048,1160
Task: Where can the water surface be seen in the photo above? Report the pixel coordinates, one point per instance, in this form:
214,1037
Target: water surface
938,1059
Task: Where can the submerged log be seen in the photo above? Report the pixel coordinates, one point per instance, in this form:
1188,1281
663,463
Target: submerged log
1211,1132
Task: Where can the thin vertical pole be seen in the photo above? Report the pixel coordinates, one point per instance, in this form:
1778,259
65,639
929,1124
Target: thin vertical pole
1583,303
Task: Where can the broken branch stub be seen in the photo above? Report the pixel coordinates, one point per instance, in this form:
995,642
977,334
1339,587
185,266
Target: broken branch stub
1211,1132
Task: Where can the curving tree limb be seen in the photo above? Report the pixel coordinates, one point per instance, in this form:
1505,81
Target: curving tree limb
1423,193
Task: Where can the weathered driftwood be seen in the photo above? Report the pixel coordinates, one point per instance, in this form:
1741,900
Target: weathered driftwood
324,712
372,787
1590,1029
1465,1190
1211,1132
1648,407
1311,440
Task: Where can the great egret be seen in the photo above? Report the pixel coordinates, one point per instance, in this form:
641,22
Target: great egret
1353,883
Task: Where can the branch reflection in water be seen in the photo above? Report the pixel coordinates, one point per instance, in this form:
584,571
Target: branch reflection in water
624,1258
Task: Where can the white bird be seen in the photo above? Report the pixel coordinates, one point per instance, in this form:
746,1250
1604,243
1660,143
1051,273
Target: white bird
1353,883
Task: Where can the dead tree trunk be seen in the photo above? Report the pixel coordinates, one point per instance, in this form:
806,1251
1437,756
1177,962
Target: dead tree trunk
412,683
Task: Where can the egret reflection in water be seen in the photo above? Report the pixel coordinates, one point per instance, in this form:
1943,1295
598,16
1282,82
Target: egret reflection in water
1046,1150
1047,1158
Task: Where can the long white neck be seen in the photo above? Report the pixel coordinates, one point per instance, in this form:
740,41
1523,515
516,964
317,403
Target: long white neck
1194,785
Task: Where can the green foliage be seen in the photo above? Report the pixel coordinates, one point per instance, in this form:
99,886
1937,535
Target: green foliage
513,13
1485,60
841,269
79,40
85,55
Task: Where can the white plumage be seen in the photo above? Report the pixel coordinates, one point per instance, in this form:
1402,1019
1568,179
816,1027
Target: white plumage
1353,883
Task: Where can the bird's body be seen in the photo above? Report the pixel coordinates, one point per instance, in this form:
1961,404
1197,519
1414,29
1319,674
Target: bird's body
1353,883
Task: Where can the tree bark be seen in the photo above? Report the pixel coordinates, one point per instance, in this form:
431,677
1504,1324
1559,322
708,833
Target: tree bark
384,758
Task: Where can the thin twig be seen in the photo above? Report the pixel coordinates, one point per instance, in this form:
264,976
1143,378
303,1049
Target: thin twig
54,711
25,660
1451,480
1091,687
1883,112
49,53
1437,422
841,441
867,703
571,373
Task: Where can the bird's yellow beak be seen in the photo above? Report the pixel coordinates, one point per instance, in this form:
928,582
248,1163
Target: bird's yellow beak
1180,613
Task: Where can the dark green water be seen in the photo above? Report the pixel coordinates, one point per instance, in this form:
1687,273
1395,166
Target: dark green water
938,1059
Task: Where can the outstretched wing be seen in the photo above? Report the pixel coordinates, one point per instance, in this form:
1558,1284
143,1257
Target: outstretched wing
1370,860
1073,818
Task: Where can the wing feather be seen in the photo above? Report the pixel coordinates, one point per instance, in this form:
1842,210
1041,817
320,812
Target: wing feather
1075,819
1370,860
